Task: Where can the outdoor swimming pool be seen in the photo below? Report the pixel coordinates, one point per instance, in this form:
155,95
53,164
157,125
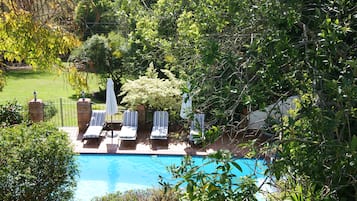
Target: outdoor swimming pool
101,173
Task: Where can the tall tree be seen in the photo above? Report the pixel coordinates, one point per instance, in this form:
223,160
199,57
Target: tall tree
36,32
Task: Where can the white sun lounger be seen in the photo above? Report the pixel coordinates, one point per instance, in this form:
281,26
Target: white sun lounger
95,125
129,126
160,127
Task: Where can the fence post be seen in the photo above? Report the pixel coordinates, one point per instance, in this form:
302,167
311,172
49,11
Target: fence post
84,112
61,109
36,110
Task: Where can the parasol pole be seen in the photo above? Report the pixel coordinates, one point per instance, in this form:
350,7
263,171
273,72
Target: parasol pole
111,120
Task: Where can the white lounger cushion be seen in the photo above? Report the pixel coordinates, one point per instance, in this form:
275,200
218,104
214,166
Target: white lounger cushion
160,125
95,125
128,133
93,132
159,133
130,125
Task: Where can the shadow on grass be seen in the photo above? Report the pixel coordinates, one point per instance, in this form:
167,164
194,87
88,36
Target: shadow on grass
27,74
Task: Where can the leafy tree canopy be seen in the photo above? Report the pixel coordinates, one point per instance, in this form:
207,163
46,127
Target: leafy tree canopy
35,33
101,55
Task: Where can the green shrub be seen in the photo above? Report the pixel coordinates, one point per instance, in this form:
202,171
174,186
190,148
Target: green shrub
153,92
50,110
140,195
36,163
10,114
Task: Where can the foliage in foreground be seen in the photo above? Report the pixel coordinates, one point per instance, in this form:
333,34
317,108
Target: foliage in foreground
36,163
221,184
323,165
311,53
139,195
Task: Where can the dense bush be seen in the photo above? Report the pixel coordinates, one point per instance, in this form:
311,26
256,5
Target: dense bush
50,110
10,113
153,92
139,195
36,163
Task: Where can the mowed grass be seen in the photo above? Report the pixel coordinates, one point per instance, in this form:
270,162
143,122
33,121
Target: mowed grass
21,84
49,87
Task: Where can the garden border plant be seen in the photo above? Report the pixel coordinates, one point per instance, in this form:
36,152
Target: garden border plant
153,92
37,162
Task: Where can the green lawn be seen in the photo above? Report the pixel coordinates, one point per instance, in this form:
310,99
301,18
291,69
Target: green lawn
49,86
20,85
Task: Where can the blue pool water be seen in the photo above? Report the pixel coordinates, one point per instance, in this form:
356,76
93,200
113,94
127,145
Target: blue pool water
101,174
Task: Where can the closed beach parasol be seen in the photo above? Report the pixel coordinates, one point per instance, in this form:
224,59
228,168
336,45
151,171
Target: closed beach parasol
111,101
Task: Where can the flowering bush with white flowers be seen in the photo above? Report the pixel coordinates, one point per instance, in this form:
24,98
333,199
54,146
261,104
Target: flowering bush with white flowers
153,92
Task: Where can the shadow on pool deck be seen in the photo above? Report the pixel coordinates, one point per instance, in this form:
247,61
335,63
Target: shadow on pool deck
176,144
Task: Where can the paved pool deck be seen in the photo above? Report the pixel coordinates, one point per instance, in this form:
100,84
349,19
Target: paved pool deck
176,144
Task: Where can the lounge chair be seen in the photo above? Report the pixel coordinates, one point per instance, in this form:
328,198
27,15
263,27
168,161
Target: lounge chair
197,129
160,127
129,126
95,126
